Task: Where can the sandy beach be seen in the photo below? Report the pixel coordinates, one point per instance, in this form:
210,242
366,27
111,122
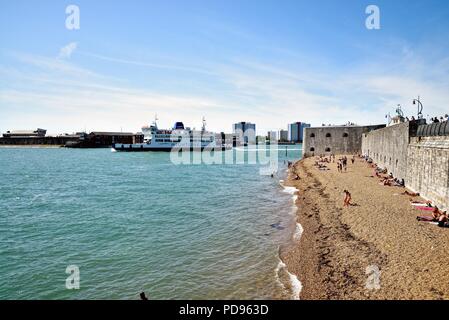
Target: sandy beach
341,246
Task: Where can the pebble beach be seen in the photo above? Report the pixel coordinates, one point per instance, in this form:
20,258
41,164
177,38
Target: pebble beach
342,248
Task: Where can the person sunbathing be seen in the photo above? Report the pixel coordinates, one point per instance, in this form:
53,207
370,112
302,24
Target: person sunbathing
436,214
397,183
426,218
385,181
411,194
428,202
443,221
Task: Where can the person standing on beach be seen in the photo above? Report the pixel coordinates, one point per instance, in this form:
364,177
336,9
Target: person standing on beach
347,199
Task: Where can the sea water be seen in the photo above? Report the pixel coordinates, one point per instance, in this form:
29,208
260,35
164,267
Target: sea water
133,222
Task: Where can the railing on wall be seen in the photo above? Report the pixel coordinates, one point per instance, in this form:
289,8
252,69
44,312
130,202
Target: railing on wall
433,129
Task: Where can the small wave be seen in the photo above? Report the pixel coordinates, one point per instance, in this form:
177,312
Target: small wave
296,286
113,150
298,232
290,190
35,197
279,267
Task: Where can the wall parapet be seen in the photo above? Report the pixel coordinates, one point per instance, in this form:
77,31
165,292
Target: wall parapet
433,129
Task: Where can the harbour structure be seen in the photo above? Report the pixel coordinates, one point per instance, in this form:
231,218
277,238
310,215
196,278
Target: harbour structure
95,139
415,152
104,139
25,133
36,137
345,139
411,151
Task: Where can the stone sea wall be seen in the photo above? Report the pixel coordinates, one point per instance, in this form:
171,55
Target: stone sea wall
335,139
428,168
422,161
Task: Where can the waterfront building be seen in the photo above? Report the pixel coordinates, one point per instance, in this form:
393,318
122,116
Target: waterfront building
272,136
283,135
296,131
25,133
335,139
97,139
245,133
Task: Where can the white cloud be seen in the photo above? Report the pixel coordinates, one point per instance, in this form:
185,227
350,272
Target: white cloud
62,96
66,51
150,65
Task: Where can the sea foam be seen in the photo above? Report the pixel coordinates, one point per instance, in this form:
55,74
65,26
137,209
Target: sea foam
295,284
290,190
298,232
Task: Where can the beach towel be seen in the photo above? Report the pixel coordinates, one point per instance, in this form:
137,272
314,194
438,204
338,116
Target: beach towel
425,218
425,208
420,204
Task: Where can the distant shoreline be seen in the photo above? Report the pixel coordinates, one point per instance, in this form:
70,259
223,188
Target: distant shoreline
31,146
339,246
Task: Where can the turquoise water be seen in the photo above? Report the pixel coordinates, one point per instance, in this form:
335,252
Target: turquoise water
135,222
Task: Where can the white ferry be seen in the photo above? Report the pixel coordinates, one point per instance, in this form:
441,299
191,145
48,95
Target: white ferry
180,138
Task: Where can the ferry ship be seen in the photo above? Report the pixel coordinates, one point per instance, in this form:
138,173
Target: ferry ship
178,138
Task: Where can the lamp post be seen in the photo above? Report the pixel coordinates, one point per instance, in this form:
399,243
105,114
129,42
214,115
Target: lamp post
399,111
420,107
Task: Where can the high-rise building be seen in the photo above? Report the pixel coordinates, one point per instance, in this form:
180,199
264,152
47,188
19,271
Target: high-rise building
272,136
296,131
245,133
283,135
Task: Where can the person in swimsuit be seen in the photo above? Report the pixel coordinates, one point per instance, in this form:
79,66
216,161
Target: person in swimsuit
443,221
347,199
411,194
436,214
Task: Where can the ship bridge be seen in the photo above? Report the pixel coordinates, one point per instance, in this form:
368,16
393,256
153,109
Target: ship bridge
178,126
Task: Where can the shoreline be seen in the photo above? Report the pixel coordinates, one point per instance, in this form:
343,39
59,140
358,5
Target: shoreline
294,284
339,247
31,146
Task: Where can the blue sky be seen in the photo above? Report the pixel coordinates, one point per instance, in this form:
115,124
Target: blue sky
268,62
